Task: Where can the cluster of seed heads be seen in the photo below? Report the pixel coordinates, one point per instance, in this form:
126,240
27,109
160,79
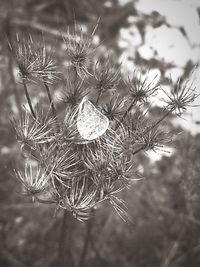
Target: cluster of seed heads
60,166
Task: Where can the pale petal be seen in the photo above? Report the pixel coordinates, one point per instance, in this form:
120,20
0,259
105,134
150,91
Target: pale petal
91,123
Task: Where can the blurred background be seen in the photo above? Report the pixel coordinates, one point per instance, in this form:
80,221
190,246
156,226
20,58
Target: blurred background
162,36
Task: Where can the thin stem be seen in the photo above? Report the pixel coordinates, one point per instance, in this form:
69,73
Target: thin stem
63,239
50,99
12,79
98,97
138,150
87,241
10,64
125,114
28,99
128,110
160,120
152,127
52,105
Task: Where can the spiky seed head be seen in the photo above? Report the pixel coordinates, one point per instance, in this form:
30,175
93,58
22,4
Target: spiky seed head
34,60
140,87
79,49
80,199
73,92
154,139
114,108
32,131
35,178
182,96
106,77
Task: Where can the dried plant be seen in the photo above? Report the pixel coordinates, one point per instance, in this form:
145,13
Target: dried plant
79,49
75,171
34,60
182,95
78,169
34,179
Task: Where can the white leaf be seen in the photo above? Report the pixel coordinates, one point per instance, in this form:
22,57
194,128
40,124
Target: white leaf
91,123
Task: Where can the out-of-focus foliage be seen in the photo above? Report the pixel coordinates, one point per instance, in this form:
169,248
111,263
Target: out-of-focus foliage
164,206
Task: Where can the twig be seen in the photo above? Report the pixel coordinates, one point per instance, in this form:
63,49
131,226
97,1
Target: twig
125,114
50,99
87,240
152,127
160,120
98,97
10,65
63,251
28,99
138,150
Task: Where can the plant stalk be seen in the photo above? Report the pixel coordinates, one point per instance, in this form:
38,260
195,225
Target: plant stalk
63,251
28,99
7,28
152,127
160,120
50,99
125,114
87,240
98,97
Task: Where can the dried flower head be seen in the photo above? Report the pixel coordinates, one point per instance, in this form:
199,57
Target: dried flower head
79,199
123,171
34,61
79,49
154,139
106,76
136,124
140,87
182,96
70,131
121,141
114,108
34,179
45,64
73,92
25,56
32,131
96,159
64,164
